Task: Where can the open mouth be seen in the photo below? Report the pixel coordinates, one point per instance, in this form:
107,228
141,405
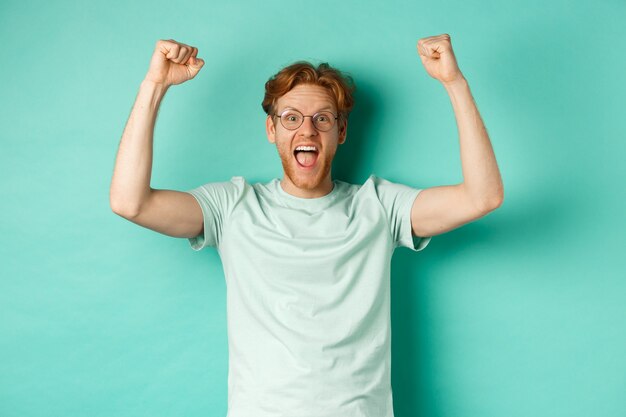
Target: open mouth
306,158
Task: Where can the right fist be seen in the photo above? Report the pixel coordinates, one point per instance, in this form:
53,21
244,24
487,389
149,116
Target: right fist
173,63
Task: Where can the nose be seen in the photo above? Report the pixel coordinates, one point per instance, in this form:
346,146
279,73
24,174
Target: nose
308,128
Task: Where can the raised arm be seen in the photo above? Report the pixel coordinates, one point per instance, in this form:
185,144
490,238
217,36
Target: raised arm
439,209
166,211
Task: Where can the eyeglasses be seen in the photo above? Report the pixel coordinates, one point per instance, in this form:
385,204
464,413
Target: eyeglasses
292,119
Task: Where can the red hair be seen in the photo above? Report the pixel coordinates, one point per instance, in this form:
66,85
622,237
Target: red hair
339,85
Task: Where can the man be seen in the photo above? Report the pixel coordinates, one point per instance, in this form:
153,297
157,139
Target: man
306,258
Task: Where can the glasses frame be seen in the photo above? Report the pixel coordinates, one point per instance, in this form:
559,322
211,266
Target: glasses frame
280,117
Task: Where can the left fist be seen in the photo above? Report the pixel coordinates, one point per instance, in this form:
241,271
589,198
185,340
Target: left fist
438,58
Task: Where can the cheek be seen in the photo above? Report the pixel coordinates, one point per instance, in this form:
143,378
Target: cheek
283,145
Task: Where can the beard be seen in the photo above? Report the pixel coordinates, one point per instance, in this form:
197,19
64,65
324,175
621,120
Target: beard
308,180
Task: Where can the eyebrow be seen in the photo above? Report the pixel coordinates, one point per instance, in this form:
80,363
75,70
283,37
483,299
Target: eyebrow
327,108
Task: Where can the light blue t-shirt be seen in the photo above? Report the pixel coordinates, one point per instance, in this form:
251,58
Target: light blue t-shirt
308,312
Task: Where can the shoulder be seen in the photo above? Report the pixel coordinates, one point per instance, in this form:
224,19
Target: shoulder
222,193
382,186
234,182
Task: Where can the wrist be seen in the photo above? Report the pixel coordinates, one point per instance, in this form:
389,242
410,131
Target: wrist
459,82
151,93
154,86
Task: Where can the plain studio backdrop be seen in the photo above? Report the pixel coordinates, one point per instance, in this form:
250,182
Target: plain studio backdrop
521,313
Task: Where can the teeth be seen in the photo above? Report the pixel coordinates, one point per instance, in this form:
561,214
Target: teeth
306,148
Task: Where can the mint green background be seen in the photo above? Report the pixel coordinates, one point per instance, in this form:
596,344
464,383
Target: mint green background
520,313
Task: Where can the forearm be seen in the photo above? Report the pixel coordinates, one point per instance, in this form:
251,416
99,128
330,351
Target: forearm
130,185
481,176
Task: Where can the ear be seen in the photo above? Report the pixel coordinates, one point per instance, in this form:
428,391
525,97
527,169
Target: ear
270,129
343,130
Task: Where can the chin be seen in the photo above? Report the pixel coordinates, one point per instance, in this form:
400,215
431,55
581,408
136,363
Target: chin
306,181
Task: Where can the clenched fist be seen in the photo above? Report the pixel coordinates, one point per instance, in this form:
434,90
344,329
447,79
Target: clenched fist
173,63
438,58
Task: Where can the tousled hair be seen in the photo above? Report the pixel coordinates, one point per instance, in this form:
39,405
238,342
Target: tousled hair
338,84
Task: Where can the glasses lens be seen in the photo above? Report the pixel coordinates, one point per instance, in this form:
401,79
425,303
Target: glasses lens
291,119
323,121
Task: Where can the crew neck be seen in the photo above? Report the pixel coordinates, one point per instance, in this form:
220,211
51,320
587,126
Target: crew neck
308,203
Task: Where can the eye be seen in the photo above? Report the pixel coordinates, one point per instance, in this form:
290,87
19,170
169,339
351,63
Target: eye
291,117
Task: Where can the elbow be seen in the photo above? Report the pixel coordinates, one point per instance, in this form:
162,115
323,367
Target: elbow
127,214
493,202
489,200
497,202
122,209
124,205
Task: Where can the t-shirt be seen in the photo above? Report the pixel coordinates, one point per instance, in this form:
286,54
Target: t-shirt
307,293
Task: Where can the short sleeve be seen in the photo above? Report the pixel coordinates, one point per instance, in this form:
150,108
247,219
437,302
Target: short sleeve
397,200
217,200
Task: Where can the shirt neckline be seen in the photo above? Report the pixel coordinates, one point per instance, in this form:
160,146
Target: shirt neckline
307,203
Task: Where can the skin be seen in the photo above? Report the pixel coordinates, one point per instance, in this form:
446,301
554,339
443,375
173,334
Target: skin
171,212
436,210
308,99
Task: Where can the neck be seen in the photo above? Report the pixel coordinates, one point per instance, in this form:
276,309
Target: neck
324,188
